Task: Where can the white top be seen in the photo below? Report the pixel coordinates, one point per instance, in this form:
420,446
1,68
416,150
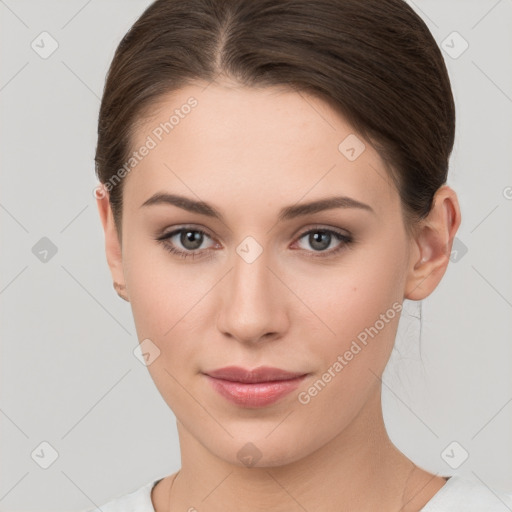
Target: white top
459,494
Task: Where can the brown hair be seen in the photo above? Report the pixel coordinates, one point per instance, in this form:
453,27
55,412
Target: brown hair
373,60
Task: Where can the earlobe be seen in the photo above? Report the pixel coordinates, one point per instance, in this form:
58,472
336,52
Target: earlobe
432,245
113,248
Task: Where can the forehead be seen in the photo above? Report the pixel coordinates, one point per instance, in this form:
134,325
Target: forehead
260,145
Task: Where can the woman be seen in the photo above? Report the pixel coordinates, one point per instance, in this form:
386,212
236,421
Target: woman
273,186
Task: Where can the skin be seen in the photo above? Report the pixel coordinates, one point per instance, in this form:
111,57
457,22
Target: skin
249,153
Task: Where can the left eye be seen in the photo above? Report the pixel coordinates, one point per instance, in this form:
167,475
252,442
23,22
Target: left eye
321,239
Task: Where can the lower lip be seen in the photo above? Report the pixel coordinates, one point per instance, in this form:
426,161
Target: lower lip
258,394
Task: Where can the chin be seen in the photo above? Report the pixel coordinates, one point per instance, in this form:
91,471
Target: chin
259,451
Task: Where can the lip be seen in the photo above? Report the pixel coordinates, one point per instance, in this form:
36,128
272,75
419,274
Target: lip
254,388
260,374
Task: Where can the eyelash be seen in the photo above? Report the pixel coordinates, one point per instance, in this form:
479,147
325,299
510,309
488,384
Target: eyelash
345,239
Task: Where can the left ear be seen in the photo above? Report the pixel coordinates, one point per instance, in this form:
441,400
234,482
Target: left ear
432,245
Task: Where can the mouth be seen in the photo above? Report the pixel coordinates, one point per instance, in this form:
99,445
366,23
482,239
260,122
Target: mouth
258,375
254,388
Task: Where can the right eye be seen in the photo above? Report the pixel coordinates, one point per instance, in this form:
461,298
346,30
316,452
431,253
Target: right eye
189,238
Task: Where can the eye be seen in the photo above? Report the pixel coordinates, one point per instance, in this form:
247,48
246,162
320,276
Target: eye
321,239
189,238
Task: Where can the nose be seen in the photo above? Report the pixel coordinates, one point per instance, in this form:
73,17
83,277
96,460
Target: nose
253,302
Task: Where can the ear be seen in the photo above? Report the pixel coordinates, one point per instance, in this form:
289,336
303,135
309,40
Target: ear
432,245
113,248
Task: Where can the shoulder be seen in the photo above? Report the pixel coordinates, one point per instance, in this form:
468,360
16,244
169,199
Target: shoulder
464,494
138,500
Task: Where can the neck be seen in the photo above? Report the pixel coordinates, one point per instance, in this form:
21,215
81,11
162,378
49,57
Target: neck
359,469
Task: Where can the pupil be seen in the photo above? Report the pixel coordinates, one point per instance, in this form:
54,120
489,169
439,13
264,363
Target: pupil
194,238
314,240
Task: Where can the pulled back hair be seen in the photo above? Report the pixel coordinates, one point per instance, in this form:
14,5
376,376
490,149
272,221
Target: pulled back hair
374,61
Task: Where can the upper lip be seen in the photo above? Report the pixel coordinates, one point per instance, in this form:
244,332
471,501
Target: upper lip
260,374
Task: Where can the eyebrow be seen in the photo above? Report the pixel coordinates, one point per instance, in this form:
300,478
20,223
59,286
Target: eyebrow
287,213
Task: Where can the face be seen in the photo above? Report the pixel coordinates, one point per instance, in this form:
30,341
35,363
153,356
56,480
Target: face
265,281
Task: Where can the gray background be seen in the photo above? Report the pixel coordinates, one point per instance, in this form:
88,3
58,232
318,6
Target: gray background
68,374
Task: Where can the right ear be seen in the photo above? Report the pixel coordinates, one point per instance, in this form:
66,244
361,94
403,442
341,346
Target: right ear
112,244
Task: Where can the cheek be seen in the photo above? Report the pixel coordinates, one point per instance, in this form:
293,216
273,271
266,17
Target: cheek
162,291
359,303
363,309
171,306
167,305
168,309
